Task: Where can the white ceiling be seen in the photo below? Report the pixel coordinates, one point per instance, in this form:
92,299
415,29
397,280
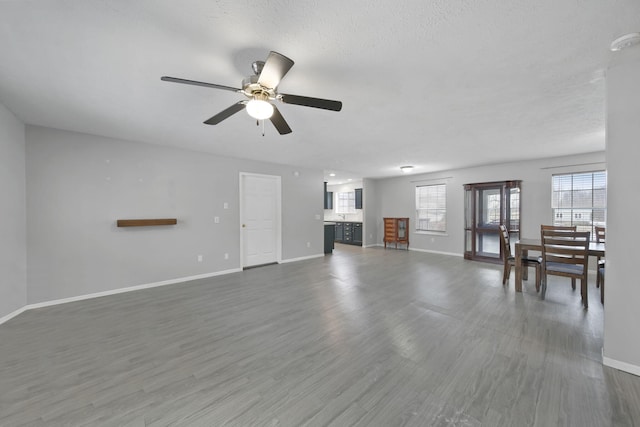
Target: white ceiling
436,84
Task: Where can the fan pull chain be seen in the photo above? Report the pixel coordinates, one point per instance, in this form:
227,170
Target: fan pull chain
258,124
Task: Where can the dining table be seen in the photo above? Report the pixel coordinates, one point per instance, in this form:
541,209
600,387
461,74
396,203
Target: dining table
523,246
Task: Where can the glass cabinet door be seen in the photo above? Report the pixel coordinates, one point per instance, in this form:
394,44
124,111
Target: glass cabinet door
402,229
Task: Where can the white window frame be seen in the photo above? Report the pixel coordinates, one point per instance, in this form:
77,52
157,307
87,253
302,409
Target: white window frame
431,201
577,202
346,202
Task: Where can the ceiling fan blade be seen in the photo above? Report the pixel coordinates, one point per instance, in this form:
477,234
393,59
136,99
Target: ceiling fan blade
225,113
195,83
274,69
325,104
279,122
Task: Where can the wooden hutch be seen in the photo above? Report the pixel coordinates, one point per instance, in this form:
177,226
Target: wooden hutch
396,230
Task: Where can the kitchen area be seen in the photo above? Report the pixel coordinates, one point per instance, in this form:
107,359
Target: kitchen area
343,214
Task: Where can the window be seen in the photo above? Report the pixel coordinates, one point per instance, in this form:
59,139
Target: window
431,207
580,199
346,203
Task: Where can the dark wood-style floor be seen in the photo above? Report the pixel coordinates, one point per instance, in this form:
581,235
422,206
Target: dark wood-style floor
363,337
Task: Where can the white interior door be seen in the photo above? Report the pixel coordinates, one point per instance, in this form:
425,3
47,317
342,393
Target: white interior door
260,219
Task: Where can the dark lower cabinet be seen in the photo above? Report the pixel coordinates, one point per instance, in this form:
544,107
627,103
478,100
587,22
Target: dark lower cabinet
329,237
349,233
339,232
357,234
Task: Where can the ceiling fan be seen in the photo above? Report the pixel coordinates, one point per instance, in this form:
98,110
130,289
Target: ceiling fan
261,89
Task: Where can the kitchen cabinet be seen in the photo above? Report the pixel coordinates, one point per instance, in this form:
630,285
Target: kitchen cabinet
328,198
339,232
357,233
358,192
396,230
329,236
349,233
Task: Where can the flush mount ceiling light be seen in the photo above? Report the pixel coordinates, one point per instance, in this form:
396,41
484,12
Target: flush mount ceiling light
625,41
406,169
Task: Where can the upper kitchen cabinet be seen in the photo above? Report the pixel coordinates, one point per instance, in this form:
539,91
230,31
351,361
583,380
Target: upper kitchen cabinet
328,198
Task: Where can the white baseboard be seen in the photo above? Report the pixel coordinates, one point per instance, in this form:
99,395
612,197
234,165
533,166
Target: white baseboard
621,366
435,252
284,261
417,250
12,315
118,291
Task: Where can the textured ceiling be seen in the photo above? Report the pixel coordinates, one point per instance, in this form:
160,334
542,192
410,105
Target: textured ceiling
436,84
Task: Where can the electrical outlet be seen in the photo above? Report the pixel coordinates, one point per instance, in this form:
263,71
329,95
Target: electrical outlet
226,256
226,205
200,258
308,244
216,219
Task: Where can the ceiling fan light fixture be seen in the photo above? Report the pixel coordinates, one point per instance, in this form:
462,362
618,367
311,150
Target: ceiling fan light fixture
259,109
406,169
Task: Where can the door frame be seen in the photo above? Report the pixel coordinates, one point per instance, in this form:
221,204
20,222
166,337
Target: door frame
472,228
278,184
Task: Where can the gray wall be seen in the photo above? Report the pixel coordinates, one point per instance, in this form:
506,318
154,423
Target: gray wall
622,314
13,255
78,185
397,196
371,208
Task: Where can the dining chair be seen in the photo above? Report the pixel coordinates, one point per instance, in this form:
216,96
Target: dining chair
565,253
600,238
561,228
510,260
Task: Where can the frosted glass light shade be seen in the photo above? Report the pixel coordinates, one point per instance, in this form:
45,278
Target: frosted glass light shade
259,109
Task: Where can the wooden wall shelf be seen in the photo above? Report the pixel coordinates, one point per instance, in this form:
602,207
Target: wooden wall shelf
146,222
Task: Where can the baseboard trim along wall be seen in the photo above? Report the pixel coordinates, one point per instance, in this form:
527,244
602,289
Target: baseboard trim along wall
12,315
621,366
435,252
284,261
416,249
135,288
116,291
